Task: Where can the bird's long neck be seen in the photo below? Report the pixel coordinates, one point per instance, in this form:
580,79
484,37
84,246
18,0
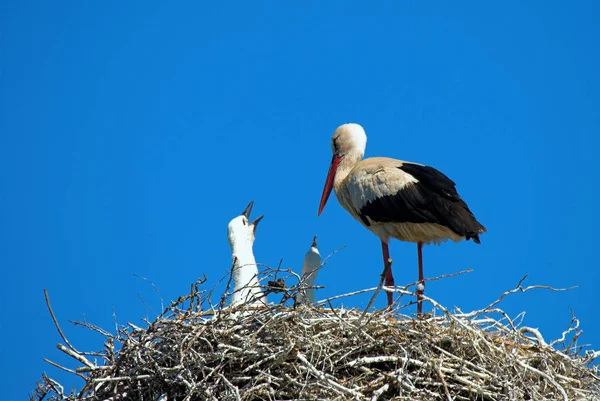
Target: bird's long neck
312,261
245,272
349,160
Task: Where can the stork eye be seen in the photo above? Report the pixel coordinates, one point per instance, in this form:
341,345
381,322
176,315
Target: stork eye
244,221
335,144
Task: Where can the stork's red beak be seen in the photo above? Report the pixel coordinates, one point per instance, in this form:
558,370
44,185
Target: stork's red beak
335,161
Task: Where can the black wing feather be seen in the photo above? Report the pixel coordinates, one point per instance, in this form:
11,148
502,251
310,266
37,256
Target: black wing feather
433,179
433,199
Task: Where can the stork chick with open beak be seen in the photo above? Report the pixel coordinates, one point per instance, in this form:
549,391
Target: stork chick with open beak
241,235
396,199
310,267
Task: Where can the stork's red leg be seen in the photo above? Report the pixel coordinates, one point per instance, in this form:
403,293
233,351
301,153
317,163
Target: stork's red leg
389,278
420,292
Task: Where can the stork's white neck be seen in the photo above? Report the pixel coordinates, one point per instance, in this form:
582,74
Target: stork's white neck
312,262
245,275
349,160
245,272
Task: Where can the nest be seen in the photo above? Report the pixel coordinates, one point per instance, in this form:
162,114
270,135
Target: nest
198,351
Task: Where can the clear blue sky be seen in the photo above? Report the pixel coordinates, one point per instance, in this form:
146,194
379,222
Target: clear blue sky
132,132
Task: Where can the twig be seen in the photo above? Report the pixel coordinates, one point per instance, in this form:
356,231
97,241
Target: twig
120,378
228,285
56,365
441,375
56,321
162,307
386,268
536,333
346,295
377,393
76,355
92,327
443,276
324,262
591,356
321,376
521,289
560,389
146,304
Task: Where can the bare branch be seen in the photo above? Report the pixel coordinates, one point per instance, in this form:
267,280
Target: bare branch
56,321
519,288
76,355
162,307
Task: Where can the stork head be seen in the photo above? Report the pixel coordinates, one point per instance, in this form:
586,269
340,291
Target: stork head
312,258
241,230
348,139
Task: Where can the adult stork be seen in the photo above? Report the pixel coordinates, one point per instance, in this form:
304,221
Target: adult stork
396,199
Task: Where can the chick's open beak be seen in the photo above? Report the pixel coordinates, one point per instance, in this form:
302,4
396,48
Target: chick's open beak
248,209
254,224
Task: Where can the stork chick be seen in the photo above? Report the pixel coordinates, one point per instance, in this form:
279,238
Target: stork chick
310,267
241,235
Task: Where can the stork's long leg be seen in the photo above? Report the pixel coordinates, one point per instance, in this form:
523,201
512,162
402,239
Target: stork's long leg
420,292
389,278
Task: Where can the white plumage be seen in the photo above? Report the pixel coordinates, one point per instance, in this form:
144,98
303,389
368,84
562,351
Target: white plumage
241,234
310,268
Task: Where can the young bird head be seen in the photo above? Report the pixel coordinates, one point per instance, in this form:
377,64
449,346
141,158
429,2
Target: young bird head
241,230
312,258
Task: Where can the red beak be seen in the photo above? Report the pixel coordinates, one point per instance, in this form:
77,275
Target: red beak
335,161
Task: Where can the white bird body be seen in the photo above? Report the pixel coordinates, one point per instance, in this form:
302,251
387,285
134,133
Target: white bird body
310,268
394,198
241,234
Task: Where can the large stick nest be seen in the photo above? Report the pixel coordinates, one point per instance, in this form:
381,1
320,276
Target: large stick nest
197,351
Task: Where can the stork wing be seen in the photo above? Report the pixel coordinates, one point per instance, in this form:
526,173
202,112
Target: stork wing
403,192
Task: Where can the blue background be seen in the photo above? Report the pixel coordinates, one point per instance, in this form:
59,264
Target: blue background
132,132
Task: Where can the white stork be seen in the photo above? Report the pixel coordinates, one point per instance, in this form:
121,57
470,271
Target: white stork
246,288
310,267
396,199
